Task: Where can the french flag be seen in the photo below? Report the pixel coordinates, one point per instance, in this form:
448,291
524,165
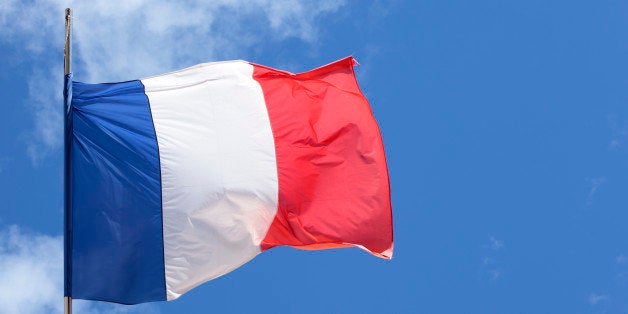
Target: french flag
180,178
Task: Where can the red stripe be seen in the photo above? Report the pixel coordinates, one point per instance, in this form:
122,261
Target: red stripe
333,179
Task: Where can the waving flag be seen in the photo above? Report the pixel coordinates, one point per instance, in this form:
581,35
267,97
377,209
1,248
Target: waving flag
180,178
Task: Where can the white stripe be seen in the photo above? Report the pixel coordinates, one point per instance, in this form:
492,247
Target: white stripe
218,170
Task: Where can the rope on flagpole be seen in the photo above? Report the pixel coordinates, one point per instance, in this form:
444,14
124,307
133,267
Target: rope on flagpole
67,125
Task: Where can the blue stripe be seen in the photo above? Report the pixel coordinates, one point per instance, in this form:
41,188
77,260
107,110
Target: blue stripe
117,230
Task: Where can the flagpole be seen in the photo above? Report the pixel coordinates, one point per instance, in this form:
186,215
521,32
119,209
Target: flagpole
66,50
67,126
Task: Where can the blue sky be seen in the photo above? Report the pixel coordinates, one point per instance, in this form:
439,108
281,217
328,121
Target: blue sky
505,126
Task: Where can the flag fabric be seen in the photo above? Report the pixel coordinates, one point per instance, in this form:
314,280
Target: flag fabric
180,178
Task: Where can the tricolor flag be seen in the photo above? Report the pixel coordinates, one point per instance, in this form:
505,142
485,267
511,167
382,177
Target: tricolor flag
180,178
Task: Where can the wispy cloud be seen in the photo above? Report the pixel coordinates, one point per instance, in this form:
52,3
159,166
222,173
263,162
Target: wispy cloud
4,161
595,299
619,135
609,298
31,268
491,267
31,272
621,274
125,40
591,187
495,244
365,57
594,186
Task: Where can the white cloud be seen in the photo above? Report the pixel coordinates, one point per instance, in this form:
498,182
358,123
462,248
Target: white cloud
495,244
46,105
31,272
619,130
594,185
491,268
124,40
31,268
595,299
494,274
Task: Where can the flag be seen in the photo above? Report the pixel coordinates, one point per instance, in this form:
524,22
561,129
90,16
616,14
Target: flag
180,178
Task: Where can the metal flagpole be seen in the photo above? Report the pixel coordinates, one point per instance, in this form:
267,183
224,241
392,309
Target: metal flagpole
66,50
67,125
